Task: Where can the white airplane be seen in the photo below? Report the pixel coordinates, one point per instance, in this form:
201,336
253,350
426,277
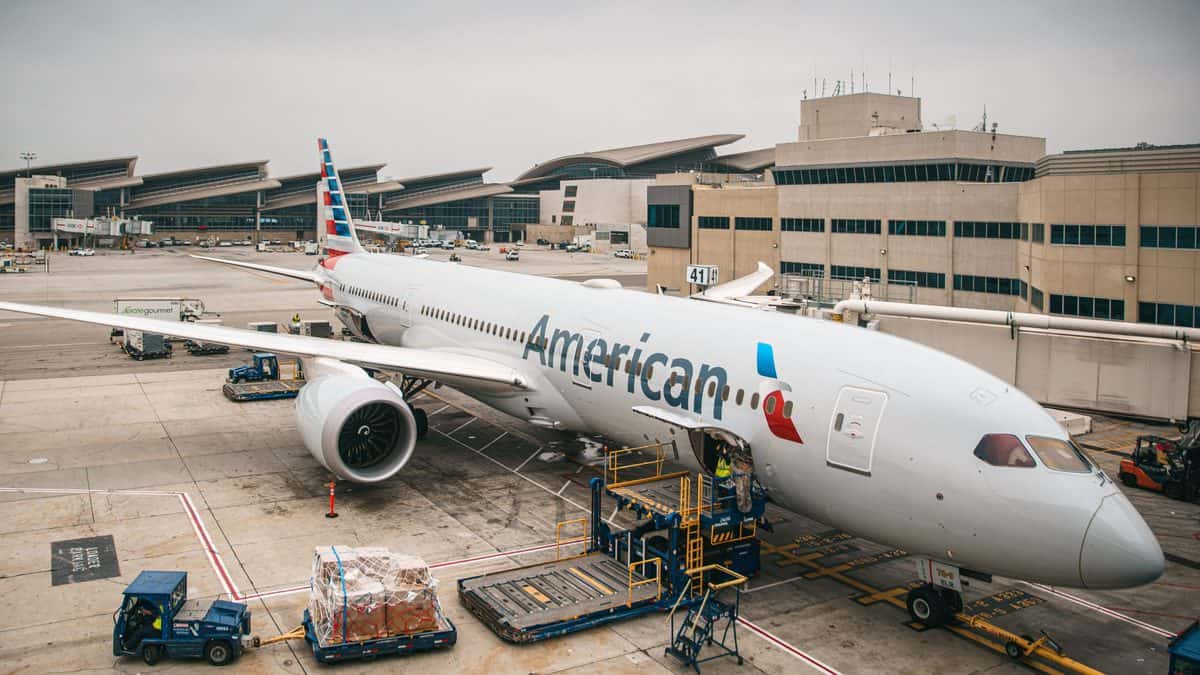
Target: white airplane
869,433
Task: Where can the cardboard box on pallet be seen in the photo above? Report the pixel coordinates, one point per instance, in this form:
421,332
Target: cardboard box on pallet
376,593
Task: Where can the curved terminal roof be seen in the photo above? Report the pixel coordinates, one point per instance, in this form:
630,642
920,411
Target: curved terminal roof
632,155
749,161
470,191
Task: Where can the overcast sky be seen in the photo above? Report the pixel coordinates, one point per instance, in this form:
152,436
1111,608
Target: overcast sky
509,84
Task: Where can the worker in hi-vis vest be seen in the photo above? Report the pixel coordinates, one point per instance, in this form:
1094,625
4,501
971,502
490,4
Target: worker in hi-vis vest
724,467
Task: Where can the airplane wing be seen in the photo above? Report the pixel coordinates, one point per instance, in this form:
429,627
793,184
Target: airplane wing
454,369
740,287
281,271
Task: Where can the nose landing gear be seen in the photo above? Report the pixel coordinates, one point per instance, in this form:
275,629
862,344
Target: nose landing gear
934,606
939,600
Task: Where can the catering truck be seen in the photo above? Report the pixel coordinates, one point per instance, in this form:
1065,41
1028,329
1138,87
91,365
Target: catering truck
168,309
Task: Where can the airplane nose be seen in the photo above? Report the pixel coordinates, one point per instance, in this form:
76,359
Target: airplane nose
1119,550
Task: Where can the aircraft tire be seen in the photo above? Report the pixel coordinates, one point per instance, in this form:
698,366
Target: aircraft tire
422,420
151,654
1174,489
926,606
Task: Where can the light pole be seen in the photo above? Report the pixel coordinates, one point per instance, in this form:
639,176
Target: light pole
28,157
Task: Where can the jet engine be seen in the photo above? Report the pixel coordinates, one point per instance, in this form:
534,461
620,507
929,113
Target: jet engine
357,427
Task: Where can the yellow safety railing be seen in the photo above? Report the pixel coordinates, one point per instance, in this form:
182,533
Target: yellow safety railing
657,580
733,578
622,461
559,542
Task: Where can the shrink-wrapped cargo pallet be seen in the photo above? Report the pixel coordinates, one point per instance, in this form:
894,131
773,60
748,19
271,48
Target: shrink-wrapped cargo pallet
363,594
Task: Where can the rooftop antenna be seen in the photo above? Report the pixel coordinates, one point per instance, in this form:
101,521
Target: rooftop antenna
982,126
851,80
822,87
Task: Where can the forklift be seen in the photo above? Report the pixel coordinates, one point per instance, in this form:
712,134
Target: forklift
156,619
1164,465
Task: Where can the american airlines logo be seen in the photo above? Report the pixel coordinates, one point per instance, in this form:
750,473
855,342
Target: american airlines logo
772,389
600,362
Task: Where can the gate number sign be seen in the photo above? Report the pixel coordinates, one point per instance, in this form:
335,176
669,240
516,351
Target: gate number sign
702,275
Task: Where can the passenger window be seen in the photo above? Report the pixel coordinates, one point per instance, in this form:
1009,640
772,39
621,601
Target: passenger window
787,409
1059,455
754,401
522,336
699,385
712,389
837,421
671,379
1004,450
648,372
740,395
627,367
769,405
725,393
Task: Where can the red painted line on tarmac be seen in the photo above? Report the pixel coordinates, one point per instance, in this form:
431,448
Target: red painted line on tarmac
214,558
807,658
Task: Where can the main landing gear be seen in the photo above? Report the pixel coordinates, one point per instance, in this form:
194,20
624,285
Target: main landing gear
410,387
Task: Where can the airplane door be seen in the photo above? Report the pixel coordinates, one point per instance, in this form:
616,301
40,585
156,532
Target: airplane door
853,428
408,306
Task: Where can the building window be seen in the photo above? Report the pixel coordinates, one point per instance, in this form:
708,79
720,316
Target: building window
905,173
660,215
922,279
1091,308
570,190
1036,298
1161,236
713,222
754,224
802,268
979,284
854,226
568,220
569,207
1038,232
802,224
854,273
917,228
1087,235
1186,316
987,230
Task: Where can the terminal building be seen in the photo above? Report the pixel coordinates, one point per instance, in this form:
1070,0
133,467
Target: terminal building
974,219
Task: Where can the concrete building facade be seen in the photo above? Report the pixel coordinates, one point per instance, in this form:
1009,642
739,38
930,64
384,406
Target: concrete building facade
951,217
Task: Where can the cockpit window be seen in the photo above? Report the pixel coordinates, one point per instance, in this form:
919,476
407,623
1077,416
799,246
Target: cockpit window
1003,450
1059,455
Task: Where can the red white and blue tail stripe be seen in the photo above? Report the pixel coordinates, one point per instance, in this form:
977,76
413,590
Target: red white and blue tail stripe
338,227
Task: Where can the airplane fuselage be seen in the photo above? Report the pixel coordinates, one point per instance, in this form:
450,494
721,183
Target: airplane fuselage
863,431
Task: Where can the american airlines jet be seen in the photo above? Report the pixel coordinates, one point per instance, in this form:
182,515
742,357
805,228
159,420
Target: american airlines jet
878,436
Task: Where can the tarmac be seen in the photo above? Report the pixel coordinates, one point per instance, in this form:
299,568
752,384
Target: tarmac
96,445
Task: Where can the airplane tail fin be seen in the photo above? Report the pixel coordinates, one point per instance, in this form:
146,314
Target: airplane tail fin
335,224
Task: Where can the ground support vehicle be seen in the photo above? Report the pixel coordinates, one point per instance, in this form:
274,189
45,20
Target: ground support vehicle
141,345
205,348
1163,465
261,380
659,565
156,619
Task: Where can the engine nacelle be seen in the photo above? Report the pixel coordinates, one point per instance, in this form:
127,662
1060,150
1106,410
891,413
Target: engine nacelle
355,426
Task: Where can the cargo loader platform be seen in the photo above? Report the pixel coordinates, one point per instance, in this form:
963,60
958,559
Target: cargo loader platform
543,601
624,573
260,391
